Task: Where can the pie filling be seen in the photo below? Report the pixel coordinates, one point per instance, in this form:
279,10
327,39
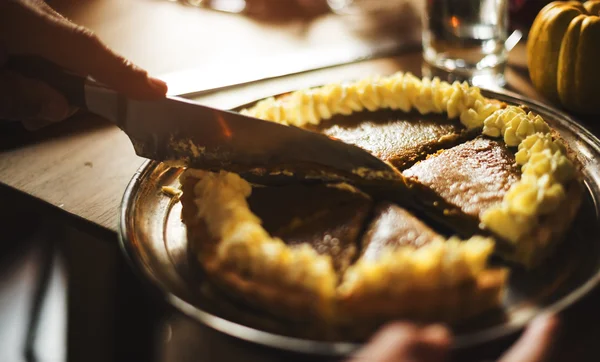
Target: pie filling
395,136
328,218
391,228
468,179
332,252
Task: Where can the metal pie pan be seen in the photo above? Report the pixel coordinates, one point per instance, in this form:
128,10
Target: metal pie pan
153,239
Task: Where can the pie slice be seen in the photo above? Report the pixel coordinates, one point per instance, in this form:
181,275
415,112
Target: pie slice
395,136
329,218
380,285
393,227
466,183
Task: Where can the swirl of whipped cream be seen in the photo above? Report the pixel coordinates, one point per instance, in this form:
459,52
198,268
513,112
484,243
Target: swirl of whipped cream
539,191
554,165
398,91
534,143
545,170
510,226
439,264
514,125
534,196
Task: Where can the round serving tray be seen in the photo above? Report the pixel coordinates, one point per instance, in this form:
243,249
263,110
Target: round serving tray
153,238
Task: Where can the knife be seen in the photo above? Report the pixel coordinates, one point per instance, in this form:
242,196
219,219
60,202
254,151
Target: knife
189,134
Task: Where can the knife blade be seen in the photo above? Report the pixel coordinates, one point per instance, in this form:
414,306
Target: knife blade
189,134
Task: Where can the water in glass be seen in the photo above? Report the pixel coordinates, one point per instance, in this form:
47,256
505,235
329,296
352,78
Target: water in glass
466,38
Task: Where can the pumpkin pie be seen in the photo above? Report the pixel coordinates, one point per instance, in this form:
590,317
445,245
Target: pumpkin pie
483,177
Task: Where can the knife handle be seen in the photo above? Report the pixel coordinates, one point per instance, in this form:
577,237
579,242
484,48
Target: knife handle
70,85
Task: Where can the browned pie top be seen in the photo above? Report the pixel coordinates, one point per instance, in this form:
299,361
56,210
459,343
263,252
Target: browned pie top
473,176
394,136
393,227
327,218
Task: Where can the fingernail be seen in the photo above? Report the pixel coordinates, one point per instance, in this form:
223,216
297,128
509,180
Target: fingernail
54,111
436,334
158,85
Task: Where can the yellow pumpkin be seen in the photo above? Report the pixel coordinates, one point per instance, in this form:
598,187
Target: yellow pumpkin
563,54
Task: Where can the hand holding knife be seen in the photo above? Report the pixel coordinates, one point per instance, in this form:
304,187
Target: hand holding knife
189,134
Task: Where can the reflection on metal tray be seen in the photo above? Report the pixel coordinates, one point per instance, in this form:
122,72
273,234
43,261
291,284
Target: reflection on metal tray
154,239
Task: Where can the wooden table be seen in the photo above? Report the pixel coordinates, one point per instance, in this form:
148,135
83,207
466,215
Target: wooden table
78,169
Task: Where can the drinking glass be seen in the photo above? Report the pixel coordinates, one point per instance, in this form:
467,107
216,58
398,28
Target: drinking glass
466,39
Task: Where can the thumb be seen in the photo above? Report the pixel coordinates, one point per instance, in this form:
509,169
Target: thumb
405,342
535,344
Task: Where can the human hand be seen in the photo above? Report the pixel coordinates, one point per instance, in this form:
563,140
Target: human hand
31,27
401,342
535,344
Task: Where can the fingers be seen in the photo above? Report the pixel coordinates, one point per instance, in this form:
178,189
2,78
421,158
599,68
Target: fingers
31,101
406,343
31,29
88,55
41,4
535,344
